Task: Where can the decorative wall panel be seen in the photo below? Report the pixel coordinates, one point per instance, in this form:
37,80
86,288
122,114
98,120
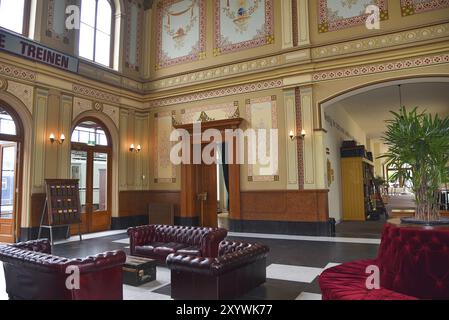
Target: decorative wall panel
410,7
340,14
242,24
216,112
261,113
181,32
23,92
134,23
164,170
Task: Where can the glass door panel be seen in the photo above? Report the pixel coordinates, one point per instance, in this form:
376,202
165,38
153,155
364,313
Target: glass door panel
79,171
100,182
8,168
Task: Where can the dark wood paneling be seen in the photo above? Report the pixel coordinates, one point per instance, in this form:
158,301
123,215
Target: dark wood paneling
37,206
135,203
285,205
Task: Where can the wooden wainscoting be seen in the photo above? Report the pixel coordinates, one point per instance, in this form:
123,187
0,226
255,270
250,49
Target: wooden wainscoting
285,205
135,203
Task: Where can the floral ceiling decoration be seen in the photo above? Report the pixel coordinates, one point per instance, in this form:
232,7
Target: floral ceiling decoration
242,24
411,7
340,14
181,34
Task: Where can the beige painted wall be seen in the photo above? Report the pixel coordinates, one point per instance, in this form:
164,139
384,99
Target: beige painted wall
333,141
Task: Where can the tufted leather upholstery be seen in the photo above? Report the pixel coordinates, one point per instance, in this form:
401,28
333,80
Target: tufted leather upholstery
158,241
238,268
32,273
413,263
232,255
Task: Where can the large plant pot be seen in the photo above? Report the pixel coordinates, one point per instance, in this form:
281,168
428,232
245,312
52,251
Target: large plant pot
415,221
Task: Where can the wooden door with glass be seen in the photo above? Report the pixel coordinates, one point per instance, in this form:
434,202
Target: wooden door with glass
10,160
91,164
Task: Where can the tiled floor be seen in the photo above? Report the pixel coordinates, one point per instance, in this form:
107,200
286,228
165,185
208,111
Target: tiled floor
293,264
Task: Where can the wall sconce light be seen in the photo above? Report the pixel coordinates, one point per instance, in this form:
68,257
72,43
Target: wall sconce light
53,138
293,136
132,148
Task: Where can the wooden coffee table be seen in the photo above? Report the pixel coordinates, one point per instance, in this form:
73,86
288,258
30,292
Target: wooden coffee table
138,271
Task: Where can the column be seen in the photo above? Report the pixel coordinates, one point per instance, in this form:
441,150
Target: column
287,33
291,145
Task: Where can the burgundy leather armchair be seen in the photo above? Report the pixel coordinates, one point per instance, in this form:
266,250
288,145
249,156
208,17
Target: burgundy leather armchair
158,241
239,268
32,273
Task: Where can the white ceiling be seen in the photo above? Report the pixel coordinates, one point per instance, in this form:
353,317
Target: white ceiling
370,109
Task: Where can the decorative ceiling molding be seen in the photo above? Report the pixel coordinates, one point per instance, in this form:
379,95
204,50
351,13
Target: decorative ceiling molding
384,41
93,93
17,73
222,92
382,67
217,73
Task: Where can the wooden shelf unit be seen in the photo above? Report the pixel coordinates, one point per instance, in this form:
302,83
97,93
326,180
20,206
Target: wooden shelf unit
357,187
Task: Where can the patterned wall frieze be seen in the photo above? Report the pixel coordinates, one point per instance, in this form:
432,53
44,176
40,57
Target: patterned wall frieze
18,73
93,93
181,32
384,41
241,25
22,91
411,7
382,67
217,73
222,92
335,15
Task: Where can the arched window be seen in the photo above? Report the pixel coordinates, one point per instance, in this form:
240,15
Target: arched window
15,15
90,133
95,41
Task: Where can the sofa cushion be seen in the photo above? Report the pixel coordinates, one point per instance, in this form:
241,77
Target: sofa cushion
191,251
168,248
149,248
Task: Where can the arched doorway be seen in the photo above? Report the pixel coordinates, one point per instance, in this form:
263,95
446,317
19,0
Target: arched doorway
358,115
91,164
11,140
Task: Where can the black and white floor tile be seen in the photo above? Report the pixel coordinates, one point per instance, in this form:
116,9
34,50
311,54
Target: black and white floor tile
293,264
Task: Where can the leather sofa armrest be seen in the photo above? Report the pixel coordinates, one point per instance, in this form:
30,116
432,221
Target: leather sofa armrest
41,245
185,262
139,236
240,257
211,241
217,266
100,261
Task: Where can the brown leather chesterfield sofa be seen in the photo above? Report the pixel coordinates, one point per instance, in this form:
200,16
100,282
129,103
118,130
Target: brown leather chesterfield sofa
32,273
158,241
239,268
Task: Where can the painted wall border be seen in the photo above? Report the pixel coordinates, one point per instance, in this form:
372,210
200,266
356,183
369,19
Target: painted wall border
382,67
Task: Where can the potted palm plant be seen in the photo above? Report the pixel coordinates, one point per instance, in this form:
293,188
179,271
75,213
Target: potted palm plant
419,148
